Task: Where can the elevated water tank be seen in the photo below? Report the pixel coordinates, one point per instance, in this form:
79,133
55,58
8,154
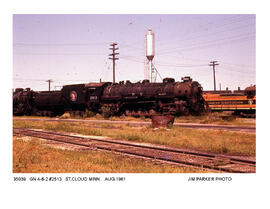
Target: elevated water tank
150,45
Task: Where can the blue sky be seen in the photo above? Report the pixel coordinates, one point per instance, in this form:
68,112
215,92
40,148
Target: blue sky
75,48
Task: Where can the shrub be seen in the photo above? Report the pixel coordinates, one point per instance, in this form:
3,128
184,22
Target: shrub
88,114
228,118
106,112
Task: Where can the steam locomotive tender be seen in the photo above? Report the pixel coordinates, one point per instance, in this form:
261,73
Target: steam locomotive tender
135,99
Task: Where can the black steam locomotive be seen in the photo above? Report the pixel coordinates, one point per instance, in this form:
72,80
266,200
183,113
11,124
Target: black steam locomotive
134,99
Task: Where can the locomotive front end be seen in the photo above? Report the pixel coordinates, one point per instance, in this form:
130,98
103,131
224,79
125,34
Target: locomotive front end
22,101
188,96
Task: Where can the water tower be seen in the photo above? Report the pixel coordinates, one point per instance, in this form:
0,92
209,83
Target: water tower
150,52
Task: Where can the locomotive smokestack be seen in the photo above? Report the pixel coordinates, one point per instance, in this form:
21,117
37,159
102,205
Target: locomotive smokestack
150,51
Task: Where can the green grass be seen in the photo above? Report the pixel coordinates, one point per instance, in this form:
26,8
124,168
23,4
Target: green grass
34,156
239,143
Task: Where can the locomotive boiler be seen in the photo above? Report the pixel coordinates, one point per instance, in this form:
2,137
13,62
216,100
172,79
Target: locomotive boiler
135,99
145,98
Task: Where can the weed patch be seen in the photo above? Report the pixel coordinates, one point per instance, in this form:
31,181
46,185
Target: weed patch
35,157
206,140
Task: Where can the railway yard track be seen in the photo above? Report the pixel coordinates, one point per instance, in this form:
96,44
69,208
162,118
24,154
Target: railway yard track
250,129
212,161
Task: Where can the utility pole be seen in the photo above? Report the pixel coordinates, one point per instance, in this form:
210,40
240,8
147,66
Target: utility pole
214,63
49,81
113,58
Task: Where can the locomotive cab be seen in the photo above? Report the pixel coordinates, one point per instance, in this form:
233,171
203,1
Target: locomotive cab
250,92
94,92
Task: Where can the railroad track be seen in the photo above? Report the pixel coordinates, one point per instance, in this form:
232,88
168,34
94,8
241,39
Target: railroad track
250,129
179,156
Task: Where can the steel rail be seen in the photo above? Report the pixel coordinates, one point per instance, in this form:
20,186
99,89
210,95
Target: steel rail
156,147
52,136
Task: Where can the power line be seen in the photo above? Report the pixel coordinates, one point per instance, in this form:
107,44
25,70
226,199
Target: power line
207,35
130,46
124,56
22,79
238,65
134,60
210,45
55,80
177,57
203,45
174,65
231,38
184,66
166,65
58,44
204,60
233,70
53,54
215,26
